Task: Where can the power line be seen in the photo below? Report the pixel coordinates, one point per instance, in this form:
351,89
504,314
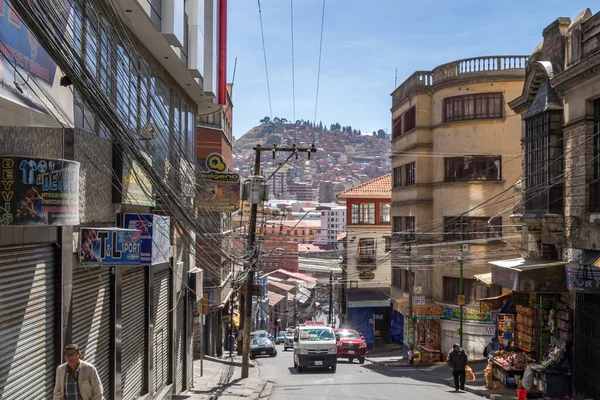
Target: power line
319,66
262,33
293,63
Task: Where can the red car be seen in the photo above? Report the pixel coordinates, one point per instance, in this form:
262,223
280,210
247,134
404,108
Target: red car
350,345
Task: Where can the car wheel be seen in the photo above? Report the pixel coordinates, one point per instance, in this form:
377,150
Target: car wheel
361,360
273,354
299,368
351,359
333,368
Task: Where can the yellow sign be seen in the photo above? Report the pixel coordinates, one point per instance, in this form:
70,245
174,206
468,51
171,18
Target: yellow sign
461,300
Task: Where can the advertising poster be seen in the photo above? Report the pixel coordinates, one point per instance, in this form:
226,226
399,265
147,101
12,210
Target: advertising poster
110,246
154,236
38,192
137,188
583,278
219,190
18,47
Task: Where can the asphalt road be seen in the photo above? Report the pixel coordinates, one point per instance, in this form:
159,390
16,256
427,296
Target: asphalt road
352,381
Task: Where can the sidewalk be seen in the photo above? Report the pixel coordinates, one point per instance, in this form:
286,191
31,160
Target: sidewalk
440,372
222,380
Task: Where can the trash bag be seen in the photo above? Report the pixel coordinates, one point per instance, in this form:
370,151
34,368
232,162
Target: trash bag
469,374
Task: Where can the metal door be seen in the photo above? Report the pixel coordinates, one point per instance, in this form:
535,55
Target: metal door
161,330
27,322
586,369
92,319
179,341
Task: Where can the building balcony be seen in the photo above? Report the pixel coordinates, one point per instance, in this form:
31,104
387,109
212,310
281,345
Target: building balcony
488,68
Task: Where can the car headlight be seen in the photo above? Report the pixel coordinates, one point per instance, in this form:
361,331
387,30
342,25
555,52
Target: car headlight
332,351
303,351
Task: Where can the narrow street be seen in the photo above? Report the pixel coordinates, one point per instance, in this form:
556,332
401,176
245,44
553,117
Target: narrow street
353,381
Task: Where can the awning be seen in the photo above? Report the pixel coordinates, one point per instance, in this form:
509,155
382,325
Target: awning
494,303
484,278
368,298
523,275
429,310
341,236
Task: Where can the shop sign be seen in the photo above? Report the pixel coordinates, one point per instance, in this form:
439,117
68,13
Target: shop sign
110,246
418,299
583,278
137,187
545,279
38,192
420,312
155,233
366,275
469,315
418,290
220,190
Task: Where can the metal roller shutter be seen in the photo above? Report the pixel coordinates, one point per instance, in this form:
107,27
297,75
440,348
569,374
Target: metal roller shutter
161,330
190,338
92,319
133,336
179,342
27,322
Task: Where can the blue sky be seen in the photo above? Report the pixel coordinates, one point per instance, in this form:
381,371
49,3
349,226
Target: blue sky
363,44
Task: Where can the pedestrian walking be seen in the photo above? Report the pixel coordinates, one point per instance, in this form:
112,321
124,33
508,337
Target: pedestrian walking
77,379
457,361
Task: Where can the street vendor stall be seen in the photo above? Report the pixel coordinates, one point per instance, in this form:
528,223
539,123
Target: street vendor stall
508,367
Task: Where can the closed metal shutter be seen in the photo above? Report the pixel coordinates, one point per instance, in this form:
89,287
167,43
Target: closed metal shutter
179,342
190,338
586,371
27,322
133,336
92,319
161,330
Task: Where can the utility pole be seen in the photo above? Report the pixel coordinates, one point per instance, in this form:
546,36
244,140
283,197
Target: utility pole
296,308
251,251
411,321
461,289
330,318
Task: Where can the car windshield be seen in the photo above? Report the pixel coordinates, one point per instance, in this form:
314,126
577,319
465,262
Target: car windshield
316,334
348,334
260,341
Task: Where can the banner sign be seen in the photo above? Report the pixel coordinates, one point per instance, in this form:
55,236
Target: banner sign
137,187
418,299
219,190
469,315
154,236
110,246
583,278
38,192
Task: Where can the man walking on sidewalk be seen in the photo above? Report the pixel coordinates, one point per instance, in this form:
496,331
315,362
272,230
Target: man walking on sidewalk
457,361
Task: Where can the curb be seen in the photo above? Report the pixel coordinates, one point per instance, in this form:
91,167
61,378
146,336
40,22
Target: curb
258,391
227,362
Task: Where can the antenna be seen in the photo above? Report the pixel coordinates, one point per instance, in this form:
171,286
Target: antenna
395,78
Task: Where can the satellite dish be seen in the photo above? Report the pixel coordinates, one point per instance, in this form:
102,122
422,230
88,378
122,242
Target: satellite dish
149,132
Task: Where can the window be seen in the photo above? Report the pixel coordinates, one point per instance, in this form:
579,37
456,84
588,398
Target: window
595,186
363,213
404,123
397,226
473,228
473,106
384,213
543,163
473,168
388,243
472,289
366,247
398,177
409,228
397,277
411,173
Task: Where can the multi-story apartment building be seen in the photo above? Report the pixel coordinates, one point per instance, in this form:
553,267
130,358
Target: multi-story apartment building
455,156
560,113
300,191
333,223
97,131
366,267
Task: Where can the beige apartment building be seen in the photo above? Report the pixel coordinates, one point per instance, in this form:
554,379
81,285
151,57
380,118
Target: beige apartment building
456,152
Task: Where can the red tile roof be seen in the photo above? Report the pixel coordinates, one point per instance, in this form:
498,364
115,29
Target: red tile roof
280,285
295,275
379,187
275,298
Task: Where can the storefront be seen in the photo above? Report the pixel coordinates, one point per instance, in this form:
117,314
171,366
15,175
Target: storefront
533,327
369,312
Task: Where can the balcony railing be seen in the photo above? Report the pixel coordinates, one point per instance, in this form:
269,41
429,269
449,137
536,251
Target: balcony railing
421,80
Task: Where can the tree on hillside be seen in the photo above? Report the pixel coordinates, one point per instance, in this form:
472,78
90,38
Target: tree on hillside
359,132
265,120
374,133
335,126
276,120
284,120
381,134
320,124
299,122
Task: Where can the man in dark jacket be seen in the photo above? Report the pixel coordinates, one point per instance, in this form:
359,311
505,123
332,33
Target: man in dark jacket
457,361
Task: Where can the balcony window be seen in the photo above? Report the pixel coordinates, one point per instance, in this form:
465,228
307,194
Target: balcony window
409,227
384,214
473,168
388,243
472,289
473,228
411,173
595,185
363,213
404,123
543,163
398,177
365,253
473,106
397,225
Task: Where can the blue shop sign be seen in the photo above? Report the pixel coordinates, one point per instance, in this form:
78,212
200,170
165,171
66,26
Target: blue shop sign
110,246
154,236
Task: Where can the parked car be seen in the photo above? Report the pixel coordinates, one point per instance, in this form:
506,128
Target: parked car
350,345
280,338
257,334
262,346
288,341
